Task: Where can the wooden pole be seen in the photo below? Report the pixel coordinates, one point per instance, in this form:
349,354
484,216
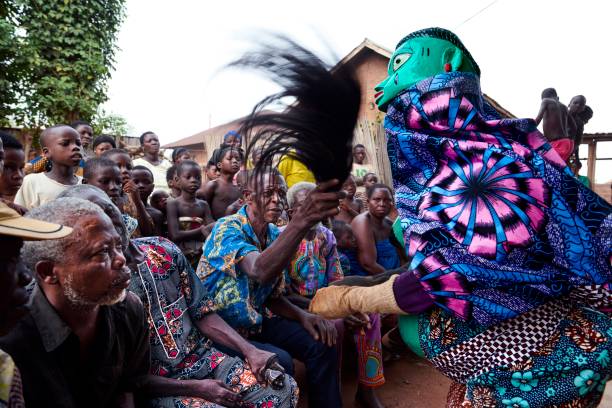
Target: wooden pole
591,162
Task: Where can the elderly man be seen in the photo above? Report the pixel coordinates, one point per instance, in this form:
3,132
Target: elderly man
188,372
14,229
243,268
85,341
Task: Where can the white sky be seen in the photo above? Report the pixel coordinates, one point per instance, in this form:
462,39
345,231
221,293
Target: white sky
168,77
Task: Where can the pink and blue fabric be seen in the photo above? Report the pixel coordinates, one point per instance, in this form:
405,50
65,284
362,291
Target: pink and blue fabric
496,224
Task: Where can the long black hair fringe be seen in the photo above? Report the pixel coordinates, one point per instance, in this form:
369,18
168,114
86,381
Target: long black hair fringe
317,124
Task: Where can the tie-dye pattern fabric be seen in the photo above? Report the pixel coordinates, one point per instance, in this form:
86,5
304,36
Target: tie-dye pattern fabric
496,223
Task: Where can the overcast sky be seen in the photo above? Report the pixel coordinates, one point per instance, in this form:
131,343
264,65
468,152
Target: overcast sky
169,80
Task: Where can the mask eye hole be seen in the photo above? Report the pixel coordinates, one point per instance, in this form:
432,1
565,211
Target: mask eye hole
400,60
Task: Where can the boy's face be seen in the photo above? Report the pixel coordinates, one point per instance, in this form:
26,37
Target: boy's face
212,172
230,162
347,240
370,180
350,187
108,179
63,146
233,141
12,175
190,179
101,148
124,162
359,155
144,182
159,201
183,156
86,134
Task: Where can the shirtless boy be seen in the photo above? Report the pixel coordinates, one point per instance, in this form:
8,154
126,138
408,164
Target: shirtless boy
222,192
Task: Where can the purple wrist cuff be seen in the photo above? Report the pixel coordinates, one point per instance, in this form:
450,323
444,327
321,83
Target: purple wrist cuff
410,295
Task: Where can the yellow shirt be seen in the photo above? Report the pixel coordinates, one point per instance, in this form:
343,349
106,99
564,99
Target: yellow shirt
294,171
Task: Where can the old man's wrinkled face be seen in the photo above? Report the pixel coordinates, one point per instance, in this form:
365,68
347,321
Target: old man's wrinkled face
94,270
269,198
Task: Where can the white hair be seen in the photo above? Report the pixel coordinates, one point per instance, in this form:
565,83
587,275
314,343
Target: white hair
63,211
296,188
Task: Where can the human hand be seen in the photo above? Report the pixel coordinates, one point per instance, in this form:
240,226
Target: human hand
371,280
217,392
319,328
259,360
320,204
21,210
131,189
357,321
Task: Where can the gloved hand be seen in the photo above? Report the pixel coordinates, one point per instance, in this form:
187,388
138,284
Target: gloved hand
335,302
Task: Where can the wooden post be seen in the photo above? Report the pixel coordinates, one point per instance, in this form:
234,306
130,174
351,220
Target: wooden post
591,162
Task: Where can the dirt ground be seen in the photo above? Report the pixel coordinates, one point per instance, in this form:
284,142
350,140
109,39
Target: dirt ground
410,382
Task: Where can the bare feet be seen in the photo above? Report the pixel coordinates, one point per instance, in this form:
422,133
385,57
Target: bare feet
366,397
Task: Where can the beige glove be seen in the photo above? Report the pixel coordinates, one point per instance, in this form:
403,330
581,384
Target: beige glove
335,302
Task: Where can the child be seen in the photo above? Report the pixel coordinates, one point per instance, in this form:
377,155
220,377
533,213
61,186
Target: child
11,177
368,181
170,179
212,171
360,168
143,178
61,146
159,200
103,143
104,174
86,133
349,206
347,249
129,201
242,179
189,218
221,193
180,154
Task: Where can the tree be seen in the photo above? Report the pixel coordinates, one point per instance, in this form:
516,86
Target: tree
110,124
70,48
11,64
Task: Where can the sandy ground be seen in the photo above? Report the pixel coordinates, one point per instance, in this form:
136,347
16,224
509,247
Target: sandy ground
410,382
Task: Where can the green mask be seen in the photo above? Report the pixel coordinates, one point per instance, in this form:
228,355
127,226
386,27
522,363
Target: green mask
422,55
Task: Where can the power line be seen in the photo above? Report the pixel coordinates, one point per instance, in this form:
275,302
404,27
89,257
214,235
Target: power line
477,13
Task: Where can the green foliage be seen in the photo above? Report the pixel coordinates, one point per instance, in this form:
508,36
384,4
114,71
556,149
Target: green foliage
110,124
69,47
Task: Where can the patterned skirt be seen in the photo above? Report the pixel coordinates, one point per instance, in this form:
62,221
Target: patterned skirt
568,369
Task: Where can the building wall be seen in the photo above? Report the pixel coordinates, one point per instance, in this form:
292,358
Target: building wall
371,69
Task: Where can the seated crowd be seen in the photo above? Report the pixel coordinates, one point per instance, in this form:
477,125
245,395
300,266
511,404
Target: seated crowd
171,284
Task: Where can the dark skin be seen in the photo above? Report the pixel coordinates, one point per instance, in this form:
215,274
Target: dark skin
62,145
264,206
369,180
576,106
222,192
372,226
13,279
94,266
159,200
212,172
555,117
86,134
211,325
359,154
150,147
101,148
355,321
13,173
107,179
144,183
187,205
349,207
129,188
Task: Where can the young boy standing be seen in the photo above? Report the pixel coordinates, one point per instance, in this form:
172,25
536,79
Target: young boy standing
14,162
189,218
222,192
61,145
143,178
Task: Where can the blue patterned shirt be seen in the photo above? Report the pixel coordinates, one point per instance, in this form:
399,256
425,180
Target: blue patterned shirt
238,299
